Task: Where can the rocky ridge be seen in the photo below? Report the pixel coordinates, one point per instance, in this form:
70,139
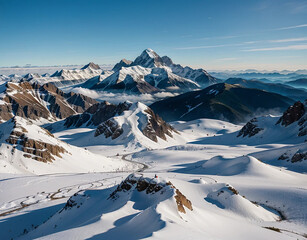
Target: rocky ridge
35,102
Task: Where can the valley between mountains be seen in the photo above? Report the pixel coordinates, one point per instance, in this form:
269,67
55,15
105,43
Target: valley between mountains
200,158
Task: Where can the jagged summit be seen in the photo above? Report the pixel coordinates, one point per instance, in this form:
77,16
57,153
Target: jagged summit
123,63
148,59
91,65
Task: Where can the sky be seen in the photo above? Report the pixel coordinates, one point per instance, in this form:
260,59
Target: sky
212,34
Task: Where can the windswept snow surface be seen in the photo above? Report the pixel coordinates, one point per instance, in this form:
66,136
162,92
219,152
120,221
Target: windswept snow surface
238,188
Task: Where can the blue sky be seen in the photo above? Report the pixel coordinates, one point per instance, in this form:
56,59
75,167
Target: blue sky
213,34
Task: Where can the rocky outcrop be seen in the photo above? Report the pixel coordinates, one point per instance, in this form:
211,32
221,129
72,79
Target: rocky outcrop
296,157
299,156
157,127
96,114
34,101
181,200
302,126
110,129
32,148
250,129
292,114
149,123
151,187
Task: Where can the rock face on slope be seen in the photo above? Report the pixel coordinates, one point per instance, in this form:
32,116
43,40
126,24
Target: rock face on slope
34,101
220,101
138,120
151,187
157,127
293,123
33,148
292,114
109,128
296,114
294,155
96,114
250,129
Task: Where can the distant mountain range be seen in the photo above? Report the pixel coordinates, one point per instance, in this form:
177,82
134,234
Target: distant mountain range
283,89
220,101
148,73
255,74
302,82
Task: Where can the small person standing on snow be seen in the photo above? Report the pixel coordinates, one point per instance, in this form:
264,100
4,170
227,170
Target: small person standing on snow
156,176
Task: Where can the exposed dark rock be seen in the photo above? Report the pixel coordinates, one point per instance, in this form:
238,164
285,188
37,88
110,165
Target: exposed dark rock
292,114
110,129
37,150
149,186
284,156
157,127
299,156
233,190
181,200
250,129
97,114
303,126
29,101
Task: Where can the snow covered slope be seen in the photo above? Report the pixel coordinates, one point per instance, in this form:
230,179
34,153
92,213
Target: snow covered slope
28,148
157,208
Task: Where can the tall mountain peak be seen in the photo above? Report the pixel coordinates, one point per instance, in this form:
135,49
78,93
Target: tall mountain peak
91,65
148,59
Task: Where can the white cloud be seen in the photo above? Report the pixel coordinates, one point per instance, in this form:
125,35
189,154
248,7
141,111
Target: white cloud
121,97
292,27
291,47
211,46
226,59
290,40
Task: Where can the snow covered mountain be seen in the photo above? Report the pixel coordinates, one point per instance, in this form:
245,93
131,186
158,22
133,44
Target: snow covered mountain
291,125
61,78
138,125
28,148
148,73
220,101
40,103
151,73
130,125
67,77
